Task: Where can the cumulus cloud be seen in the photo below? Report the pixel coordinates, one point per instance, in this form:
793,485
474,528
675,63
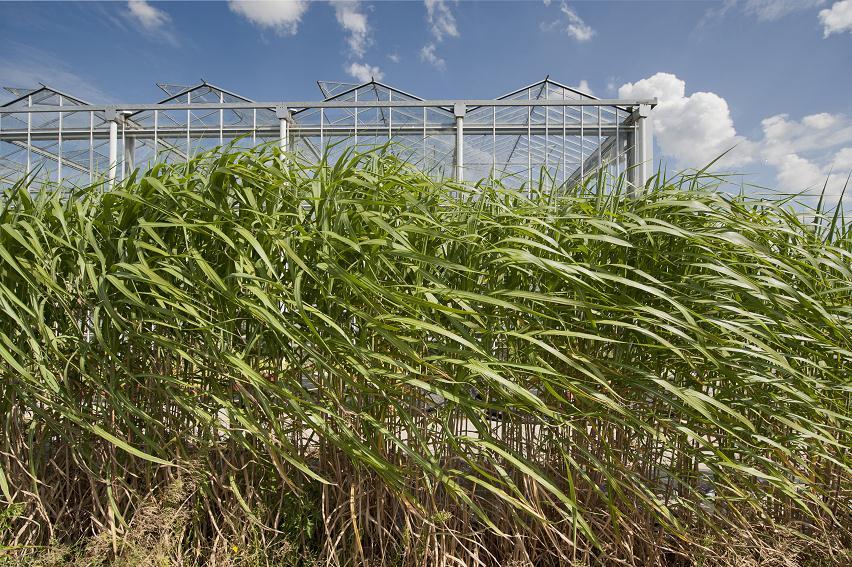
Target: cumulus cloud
152,20
585,88
394,57
363,72
428,55
353,20
810,153
441,20
837,19
282,16
693,129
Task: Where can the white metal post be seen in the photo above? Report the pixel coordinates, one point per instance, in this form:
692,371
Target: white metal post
283,114
188,124
641,151
459,111
91,147
221,120
59,147
112,117
156,135
29,135
129,155
645,139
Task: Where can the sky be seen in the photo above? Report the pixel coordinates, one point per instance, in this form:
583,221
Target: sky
769,81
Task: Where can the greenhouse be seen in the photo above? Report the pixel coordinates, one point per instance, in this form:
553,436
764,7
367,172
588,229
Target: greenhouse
543,129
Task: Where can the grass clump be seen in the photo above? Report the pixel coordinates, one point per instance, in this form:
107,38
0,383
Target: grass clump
249,360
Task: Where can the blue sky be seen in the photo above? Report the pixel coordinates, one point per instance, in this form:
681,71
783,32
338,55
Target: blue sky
770,77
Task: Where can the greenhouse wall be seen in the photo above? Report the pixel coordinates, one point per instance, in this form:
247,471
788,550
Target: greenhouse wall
544,129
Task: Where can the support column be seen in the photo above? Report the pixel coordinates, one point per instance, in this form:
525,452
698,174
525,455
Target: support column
59,146
641,148
129,155
111,116
29,135
459,111
283,114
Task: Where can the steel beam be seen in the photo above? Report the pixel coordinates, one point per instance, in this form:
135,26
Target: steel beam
274,130
301,105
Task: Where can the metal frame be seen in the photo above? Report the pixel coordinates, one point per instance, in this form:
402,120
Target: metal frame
544,125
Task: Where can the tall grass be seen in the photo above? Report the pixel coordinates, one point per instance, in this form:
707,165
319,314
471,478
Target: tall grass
248,360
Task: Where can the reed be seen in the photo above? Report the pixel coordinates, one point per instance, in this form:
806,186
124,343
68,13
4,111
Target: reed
252,360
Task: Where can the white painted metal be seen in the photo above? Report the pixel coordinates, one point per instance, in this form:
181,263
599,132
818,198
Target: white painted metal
129,153
640,151
112,168
59,147
283,114
459,110
29,135
92,147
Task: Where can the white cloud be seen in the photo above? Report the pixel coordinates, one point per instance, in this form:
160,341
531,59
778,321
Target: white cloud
549,26
585,88
282,16
442,23
694,129
842,160
571,23
364,73
804,153
771,10
354,21
394,57
147,15
428,55
837,19
813,132
152,20
441,19
577,28
762,10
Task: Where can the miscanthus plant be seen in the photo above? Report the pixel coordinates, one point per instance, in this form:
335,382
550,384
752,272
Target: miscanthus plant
247,359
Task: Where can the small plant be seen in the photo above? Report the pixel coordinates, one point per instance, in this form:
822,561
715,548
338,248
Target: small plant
7,515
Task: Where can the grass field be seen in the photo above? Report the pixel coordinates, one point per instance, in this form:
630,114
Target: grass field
248,360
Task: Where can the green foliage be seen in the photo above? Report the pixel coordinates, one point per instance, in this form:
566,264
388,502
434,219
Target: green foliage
352,360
